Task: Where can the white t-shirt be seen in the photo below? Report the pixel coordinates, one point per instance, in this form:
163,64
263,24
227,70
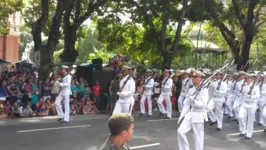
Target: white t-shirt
157,90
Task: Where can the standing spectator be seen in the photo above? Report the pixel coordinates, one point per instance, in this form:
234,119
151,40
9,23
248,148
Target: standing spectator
34,98
28,90
80,90
12,90
55,87
3,90
109,107
96,94
114,90
46,89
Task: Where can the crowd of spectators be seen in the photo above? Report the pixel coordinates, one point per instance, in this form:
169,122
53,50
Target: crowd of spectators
22,95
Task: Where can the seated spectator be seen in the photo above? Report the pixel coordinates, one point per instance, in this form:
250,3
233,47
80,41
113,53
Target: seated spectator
8,109
80,90
15,110
89,108
28,111
42,111
50,107
1,108
73,110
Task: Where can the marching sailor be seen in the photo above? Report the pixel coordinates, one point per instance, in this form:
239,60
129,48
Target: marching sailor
148,87
262,99
194,114
166,93
238,87
216,103
186,84
64,94
231,96
125,93
247,111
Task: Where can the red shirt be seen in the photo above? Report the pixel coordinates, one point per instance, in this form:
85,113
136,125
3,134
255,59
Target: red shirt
96,90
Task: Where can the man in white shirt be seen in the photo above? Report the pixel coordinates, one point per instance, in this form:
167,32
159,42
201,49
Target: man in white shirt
166,93
64,94
194,114
126,92
186,84
216,103
249,96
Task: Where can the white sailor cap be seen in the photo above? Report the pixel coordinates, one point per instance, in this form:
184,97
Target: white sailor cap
149,70
235,74
198,73
64,66
188,71
219,72
126,67
250,74
242,73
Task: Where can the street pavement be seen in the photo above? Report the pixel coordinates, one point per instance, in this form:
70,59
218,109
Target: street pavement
88,132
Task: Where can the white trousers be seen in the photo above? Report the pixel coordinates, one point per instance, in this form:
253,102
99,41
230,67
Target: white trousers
58,106
246,119
198,132
168,105
123,107
264,116
216,112
261,105
142,106
180,102
236,107
229,106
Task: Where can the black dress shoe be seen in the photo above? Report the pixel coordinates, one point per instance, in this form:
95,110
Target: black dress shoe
168,118
60,119
218,129
148,115
229,117
241,135
65,121
141,114
259,124
213,123
161,114
247,138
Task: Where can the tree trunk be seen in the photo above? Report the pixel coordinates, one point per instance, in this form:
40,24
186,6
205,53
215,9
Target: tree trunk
46,53
69,54
167,60
246,49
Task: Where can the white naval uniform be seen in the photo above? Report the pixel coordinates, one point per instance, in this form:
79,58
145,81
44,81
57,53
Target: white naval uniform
148,87
166,93
262,102
230,98
64,95
186,84
248,109
238,100
215,105
126,100
194,113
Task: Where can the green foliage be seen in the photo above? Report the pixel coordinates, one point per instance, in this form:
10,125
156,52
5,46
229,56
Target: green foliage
88,44
56,55
24,38
7,8
104,55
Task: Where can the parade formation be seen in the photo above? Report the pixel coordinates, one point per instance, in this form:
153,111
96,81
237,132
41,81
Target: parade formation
206,97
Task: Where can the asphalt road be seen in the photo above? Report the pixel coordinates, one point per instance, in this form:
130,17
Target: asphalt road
89,132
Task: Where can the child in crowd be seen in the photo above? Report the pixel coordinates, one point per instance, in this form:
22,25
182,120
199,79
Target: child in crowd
15,110
28,111
89,108
8,109
42,111
73,110
50,106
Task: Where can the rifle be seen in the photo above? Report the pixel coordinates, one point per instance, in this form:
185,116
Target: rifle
256,81
205,82
124,84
